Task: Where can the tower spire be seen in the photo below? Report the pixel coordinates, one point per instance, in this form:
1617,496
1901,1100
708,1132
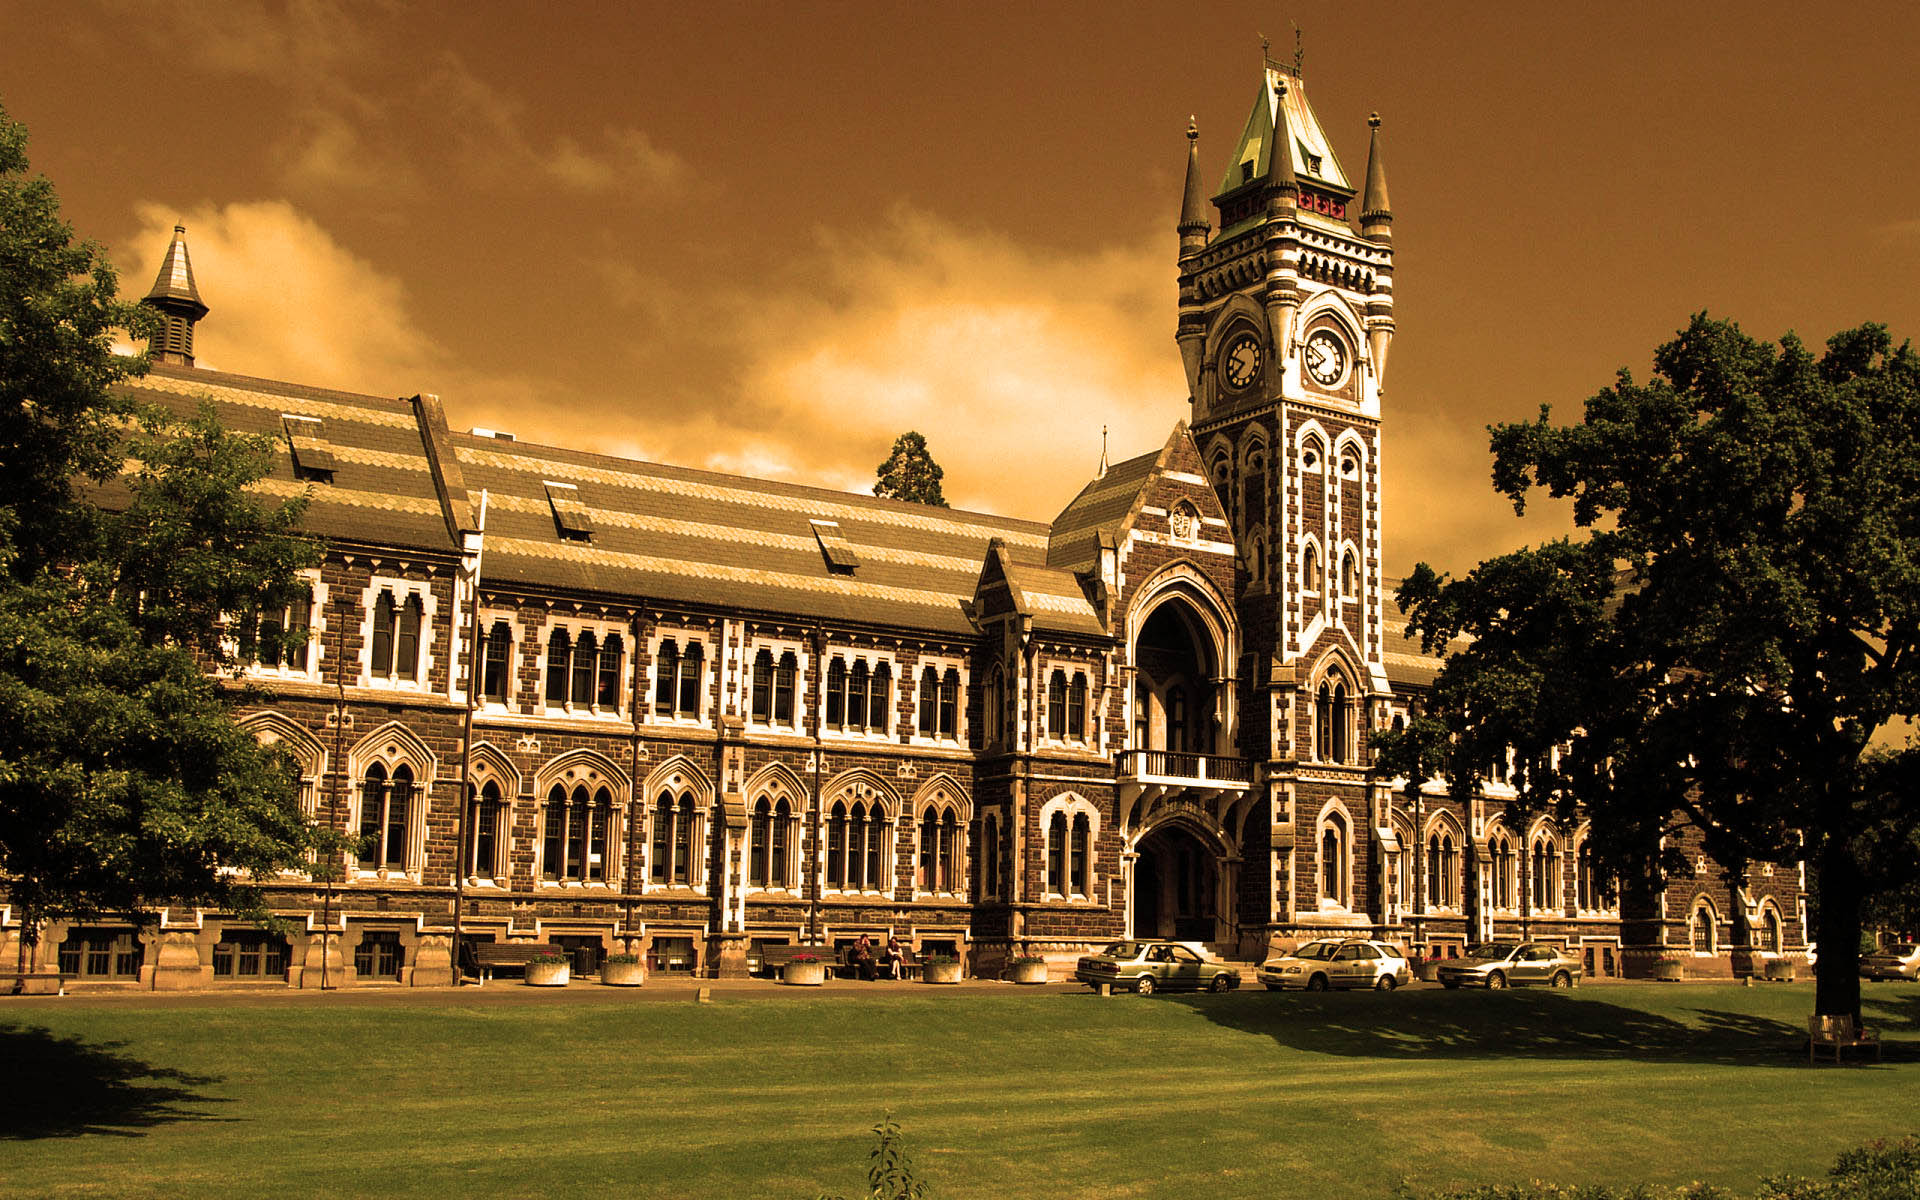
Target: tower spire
1283,186
178,302
1194,223
1376,217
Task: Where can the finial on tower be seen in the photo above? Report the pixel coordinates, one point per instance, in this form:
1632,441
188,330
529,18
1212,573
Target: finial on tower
1283,187
1102,472
1299,52
1376,215
1194,222
175,297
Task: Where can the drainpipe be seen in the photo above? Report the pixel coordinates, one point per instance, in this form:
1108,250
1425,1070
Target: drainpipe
466,745
819,826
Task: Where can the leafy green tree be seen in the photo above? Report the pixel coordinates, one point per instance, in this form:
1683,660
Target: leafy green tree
1529,632
910,473
124,781
1764,505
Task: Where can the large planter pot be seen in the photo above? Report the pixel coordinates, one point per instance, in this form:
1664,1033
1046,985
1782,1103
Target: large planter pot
1781,969
1669,970
549,974
804,974
1428,969
623,974
1023,972
941,972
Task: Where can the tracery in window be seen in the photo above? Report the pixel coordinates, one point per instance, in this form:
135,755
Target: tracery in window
576,829
673,838
770,838
859,698
677,679
394,645
773,687
939,715
386,804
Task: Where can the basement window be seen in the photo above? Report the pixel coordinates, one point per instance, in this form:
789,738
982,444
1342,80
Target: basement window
306,440
569,514
841,560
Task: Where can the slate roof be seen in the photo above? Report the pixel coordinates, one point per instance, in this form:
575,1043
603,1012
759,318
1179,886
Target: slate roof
1102,506
1407,664
382,491
656,534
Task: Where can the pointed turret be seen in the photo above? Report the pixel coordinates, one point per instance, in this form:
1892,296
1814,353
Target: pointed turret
1195,225
1376,217
1283,185
178,302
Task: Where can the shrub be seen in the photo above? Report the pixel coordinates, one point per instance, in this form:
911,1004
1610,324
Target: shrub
889,1169
623,960
550,958
1026,960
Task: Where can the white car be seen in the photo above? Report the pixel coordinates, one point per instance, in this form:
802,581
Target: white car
1329,963
1898,960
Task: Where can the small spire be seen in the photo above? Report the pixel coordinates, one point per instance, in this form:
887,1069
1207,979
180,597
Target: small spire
176,298
1102,472
1375,213
1281,181
1194,222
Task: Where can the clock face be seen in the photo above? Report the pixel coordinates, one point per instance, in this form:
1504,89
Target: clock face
1240,366
1326,358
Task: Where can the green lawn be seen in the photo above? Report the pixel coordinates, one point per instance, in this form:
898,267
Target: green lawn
1002,1092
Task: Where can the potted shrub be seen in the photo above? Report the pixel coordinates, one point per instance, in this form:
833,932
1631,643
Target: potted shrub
804,970
1028,968
1669,966
941,968
622,970
550,968
1780,968
1427,968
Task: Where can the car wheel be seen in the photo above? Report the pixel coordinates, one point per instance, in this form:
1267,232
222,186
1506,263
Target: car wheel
1385,983
1497,980
1317,984
1145,986
1562,980
1220,983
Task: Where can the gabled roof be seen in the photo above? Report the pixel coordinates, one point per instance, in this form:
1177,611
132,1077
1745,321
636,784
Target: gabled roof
1053,599
1309,140
1107,505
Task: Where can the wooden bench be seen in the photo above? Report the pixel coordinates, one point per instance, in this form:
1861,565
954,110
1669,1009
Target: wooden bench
1841,1033
840,961
484,958
20,983
773,958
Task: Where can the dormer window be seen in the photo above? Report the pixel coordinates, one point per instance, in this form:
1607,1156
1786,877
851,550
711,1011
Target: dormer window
570,516
841,560
312,458
1246,171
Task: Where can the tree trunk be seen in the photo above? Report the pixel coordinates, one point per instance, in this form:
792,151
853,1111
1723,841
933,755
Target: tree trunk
1837,973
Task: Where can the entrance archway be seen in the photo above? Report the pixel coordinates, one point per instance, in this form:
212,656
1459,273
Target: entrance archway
1176,887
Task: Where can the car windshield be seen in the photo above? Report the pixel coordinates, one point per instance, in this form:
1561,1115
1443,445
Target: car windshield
1316,950
1122,950
1905,948
1491,950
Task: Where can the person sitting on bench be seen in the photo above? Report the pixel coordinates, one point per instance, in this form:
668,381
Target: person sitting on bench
862,959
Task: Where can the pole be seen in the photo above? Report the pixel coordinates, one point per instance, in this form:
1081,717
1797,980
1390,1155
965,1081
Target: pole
466,742
333,797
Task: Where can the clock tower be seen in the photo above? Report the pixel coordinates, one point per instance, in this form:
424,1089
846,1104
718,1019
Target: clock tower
1285,319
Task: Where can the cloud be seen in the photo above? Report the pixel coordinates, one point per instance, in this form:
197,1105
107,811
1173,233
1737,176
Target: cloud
1009,359
287,301
327,62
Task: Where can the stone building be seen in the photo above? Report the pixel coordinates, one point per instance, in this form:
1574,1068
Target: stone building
664,711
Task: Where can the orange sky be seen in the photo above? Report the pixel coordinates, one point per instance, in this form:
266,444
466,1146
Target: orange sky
768,241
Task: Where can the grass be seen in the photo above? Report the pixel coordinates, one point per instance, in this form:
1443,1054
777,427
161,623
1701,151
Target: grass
1001,1092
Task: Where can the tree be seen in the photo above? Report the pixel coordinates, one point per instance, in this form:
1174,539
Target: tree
1532,629
124,781
1763,505
910,473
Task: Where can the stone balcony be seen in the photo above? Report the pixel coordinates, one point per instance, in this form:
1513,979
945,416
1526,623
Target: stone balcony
1148,780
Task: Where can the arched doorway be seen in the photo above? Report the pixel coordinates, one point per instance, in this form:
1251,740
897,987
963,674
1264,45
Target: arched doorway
1173,702
1176,887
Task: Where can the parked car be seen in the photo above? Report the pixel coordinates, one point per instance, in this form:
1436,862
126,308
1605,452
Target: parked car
1901,960
1511,964
1150,966
1337,963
